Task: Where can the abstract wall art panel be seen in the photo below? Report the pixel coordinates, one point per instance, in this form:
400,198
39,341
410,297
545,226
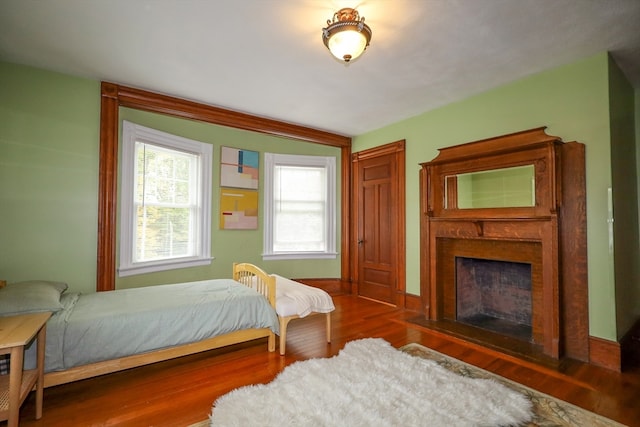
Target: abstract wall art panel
238,209
239,168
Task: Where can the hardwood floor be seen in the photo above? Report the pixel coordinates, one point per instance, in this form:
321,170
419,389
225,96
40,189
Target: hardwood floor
180,392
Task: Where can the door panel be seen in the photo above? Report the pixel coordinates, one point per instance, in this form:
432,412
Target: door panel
377,249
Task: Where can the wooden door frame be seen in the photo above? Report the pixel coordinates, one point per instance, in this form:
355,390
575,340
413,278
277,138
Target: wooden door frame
398,149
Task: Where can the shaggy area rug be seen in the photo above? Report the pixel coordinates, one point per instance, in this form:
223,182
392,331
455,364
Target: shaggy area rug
370,383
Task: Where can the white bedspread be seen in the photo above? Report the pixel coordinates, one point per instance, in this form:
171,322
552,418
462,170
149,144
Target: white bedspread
296,298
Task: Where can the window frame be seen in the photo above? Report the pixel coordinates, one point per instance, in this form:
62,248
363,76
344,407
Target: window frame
271,160
132,133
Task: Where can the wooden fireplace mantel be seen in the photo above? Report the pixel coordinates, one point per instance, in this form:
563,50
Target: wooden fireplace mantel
554,221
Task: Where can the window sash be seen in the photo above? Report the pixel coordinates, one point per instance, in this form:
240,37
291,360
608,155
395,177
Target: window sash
166,201
299,219
164,189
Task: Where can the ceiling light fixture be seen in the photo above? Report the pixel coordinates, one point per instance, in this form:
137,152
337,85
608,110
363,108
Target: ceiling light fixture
346,36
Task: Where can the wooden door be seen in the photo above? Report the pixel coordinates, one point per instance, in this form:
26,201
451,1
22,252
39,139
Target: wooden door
379,229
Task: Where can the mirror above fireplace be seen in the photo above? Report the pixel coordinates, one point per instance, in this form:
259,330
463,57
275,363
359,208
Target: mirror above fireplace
497,207
496,188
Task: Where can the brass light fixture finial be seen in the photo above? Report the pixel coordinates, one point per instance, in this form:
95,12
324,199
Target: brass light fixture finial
346,36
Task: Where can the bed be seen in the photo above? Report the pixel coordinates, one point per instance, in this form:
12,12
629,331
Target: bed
99,333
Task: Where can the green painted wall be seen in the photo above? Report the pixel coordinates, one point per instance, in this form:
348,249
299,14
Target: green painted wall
572,101
49,154
625,208
49,126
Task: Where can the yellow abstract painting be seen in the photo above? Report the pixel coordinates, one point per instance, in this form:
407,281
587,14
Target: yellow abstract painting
238,209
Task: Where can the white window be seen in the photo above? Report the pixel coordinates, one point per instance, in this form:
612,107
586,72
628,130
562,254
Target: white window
299,207
165,203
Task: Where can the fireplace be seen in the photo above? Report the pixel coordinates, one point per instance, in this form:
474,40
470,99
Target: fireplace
503,242
494,295
494,285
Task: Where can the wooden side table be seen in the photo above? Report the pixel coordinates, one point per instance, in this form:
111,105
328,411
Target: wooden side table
15,333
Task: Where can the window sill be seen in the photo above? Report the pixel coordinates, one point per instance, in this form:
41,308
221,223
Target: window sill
162,266
300,255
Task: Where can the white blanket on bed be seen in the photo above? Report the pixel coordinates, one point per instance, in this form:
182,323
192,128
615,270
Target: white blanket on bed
296,298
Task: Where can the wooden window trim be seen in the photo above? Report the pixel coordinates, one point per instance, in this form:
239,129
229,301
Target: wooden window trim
114,96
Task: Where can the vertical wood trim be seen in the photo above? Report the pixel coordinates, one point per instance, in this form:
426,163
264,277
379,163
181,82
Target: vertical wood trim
551,267
451,191
425,288
107,188
346,218
401,229
114,96
573,251
413,303
605,353
354,224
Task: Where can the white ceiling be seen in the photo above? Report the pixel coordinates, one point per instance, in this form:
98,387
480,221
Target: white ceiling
266,57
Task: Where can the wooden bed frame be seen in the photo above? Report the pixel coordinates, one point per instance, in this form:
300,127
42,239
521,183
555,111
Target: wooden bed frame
243,273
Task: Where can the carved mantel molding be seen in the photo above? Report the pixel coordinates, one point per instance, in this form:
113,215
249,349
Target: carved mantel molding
555,221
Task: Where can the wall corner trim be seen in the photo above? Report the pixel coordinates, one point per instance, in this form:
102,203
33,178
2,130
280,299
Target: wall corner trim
605,353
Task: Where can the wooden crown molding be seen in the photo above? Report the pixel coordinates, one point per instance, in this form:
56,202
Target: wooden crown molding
113,96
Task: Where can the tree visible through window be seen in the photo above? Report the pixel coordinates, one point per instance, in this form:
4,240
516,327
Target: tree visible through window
166,197
166,202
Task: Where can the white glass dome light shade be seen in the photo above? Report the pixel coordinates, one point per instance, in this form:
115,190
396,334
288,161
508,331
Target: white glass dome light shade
346,36
347,44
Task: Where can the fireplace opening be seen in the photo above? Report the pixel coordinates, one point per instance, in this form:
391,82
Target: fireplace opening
495,296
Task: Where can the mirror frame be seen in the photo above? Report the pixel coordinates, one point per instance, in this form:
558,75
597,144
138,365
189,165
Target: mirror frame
531,147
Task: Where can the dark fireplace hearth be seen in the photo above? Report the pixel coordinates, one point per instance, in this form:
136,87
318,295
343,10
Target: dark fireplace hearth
494,295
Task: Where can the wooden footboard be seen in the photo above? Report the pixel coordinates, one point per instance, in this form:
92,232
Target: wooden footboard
243,273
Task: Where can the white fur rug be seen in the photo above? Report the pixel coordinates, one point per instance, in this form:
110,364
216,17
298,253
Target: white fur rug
370,383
